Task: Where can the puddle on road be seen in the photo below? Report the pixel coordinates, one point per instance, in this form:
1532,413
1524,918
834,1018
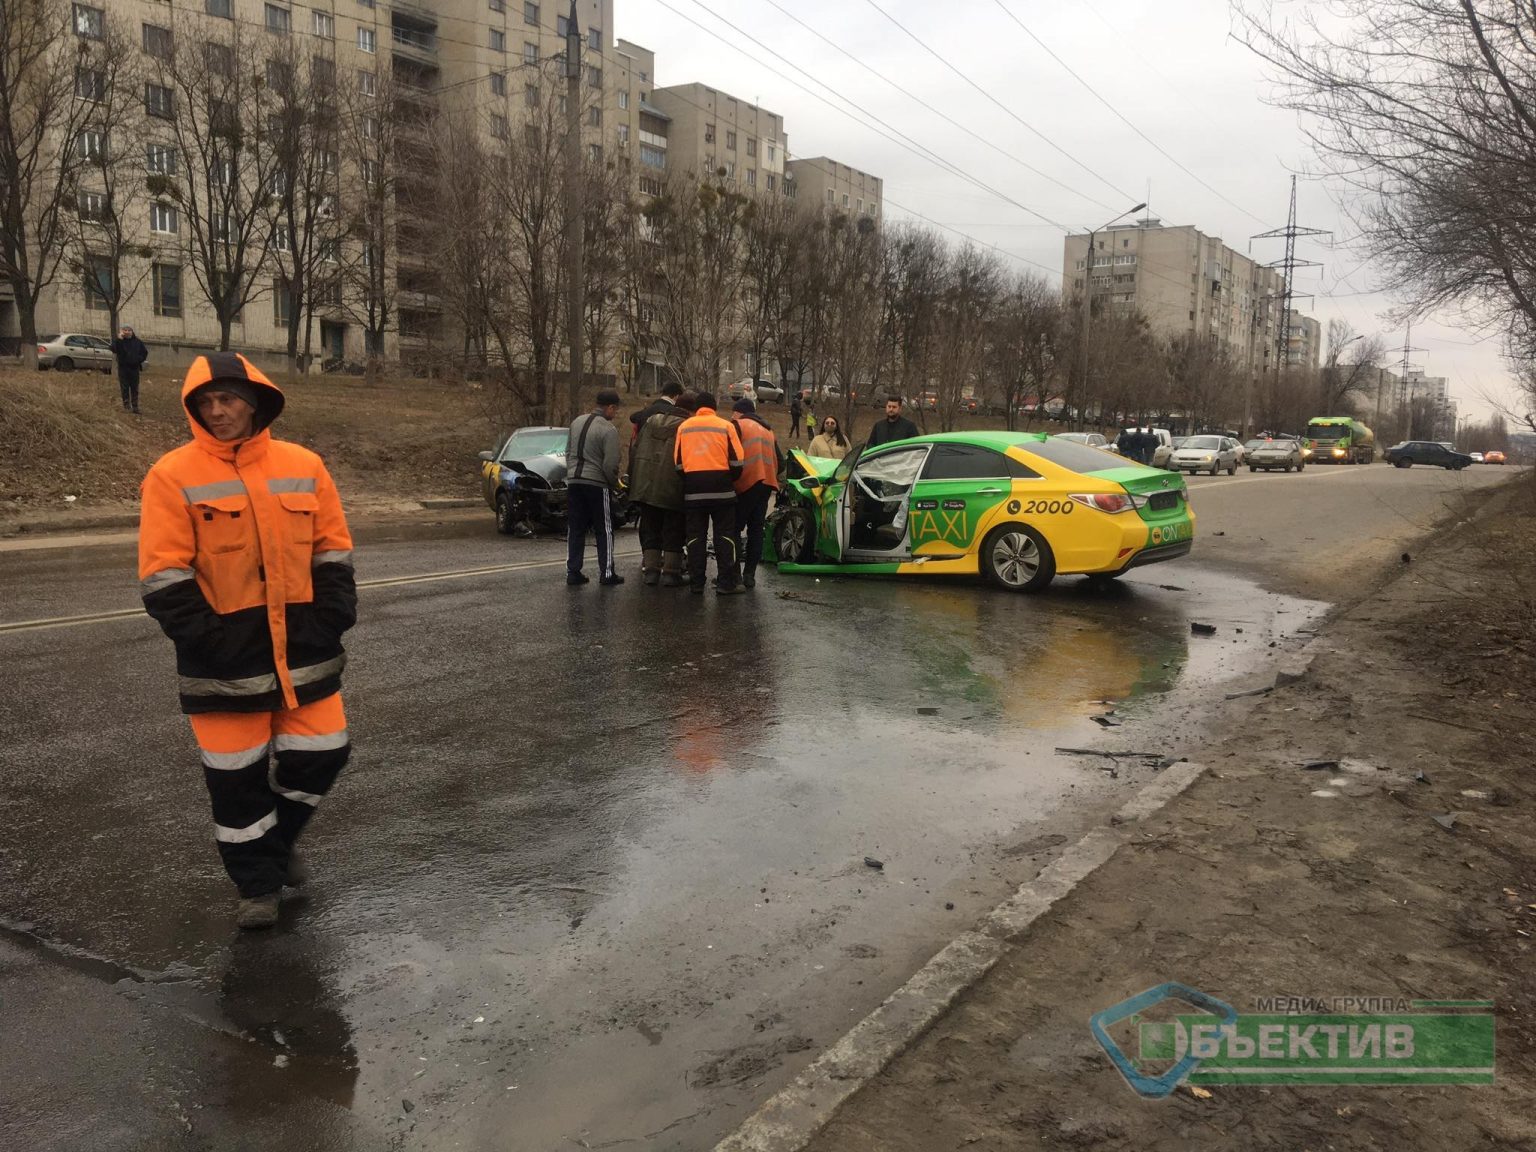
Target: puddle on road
567,893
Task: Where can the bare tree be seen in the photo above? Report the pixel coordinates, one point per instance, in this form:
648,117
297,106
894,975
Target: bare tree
1425,110
221,112
1202,381
609,216
966,301
300,212
769,251
1024,344
918,271
47,138
700,232
802,306
855,308
1344,380
107,248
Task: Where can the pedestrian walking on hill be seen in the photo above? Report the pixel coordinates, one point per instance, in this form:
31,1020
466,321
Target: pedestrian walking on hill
245,562
656,484
131,355
794,417
591,478
755,487
709,456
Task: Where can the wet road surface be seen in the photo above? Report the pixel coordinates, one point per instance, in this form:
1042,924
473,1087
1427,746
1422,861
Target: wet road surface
596,873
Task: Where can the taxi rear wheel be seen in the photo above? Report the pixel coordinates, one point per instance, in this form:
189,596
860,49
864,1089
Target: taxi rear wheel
1016,557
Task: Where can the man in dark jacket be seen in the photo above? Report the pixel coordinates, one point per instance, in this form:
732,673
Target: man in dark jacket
795,413
895,426
131,355
666,402
657,486
591,478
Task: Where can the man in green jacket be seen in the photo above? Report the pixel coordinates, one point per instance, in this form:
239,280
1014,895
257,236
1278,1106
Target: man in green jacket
656,484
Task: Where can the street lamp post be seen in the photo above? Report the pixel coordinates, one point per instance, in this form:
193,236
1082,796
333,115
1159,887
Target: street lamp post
1088,299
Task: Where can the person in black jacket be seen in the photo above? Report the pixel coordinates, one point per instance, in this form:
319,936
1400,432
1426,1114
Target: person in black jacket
666,402
131,355
895,426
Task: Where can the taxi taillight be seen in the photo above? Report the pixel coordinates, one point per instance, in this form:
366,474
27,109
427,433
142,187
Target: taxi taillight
1105,501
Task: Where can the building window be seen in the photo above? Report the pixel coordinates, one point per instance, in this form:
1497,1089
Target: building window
325,25
328,250
281,241
530,52
845,199
89,22
366,40
91,144
751,177
163,219
322,72
595,116
98,283
366,82
730,141
160,159
771,182
370,126
562,26
623,135
594,76
370,172
623,101
531,95
499,127
166,280
773,152
282,302
530,14
279,20
498,5
595,39
279,76
93,206
90,85
831,196
221,8
498,40
859,206
709,133
650,186
219,59
752,147
158,41
498,83
595,153
159,102
653,157
791,189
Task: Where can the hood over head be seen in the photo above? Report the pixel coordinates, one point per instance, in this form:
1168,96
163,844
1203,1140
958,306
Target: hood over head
231,372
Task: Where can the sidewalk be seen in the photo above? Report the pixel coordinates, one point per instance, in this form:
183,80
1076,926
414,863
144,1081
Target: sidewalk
1267,879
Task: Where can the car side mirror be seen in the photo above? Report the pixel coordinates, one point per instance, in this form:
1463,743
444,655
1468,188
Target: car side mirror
487,456
811,482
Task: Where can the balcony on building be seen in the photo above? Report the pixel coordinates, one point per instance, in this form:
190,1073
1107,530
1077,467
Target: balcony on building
413,34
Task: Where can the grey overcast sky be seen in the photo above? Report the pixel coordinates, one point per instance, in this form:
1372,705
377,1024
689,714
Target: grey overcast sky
1169,68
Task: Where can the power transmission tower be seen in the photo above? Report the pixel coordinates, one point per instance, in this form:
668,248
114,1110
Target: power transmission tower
1289,263
1407,392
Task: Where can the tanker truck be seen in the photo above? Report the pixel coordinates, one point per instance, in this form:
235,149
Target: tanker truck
1338,440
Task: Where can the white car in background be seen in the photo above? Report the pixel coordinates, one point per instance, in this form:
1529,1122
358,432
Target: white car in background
1211,454
75,350
1092,439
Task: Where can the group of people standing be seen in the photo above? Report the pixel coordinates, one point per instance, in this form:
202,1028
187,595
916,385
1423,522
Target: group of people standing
1138,444
694,474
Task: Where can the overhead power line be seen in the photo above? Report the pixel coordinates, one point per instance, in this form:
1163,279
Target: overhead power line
1009,111
1161,151
909,94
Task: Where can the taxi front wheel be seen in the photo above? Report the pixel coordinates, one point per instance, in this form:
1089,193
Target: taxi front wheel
1016,557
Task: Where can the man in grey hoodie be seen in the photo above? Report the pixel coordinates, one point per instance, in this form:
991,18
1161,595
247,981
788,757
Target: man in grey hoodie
591,478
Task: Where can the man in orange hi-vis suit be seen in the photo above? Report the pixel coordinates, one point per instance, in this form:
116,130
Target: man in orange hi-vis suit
245,562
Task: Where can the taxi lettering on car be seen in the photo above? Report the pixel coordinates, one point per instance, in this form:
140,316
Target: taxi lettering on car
1018,508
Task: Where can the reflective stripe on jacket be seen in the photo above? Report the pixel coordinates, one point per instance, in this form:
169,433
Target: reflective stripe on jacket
245,560
760,455
709,455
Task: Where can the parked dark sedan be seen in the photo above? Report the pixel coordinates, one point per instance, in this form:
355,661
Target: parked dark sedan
523,481
1411,452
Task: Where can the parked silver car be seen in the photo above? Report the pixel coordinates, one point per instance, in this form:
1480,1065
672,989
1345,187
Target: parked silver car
1205,454
1271,454
73,350
767,393
1091,439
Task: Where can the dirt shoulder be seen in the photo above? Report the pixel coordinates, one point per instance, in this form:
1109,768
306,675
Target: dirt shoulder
1252,884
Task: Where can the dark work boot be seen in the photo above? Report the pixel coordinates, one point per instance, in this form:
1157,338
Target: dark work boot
671,569
257,911
650,566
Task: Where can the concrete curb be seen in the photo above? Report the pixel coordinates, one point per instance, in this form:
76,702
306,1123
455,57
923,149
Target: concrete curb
789,1119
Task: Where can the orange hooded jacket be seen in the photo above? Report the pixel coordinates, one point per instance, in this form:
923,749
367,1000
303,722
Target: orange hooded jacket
245,560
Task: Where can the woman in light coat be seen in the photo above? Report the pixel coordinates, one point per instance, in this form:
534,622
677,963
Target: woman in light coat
830,443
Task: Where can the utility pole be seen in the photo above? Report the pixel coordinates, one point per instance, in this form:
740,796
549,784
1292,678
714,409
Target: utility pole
1288,264
1088,308
575,213
1406,404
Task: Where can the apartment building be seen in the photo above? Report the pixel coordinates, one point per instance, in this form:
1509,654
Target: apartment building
820,180
1184,282
1304,339
713,132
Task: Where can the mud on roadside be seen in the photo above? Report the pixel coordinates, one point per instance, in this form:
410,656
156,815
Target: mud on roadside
1251,885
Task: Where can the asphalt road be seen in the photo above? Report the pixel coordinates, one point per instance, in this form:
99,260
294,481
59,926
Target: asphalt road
596,874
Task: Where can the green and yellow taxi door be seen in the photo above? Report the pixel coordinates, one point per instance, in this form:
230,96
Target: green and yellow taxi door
833,513
961,485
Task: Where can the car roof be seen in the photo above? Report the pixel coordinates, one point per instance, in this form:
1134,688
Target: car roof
998,440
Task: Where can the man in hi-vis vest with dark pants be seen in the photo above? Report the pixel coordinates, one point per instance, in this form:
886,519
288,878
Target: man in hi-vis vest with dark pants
709,456
245,562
